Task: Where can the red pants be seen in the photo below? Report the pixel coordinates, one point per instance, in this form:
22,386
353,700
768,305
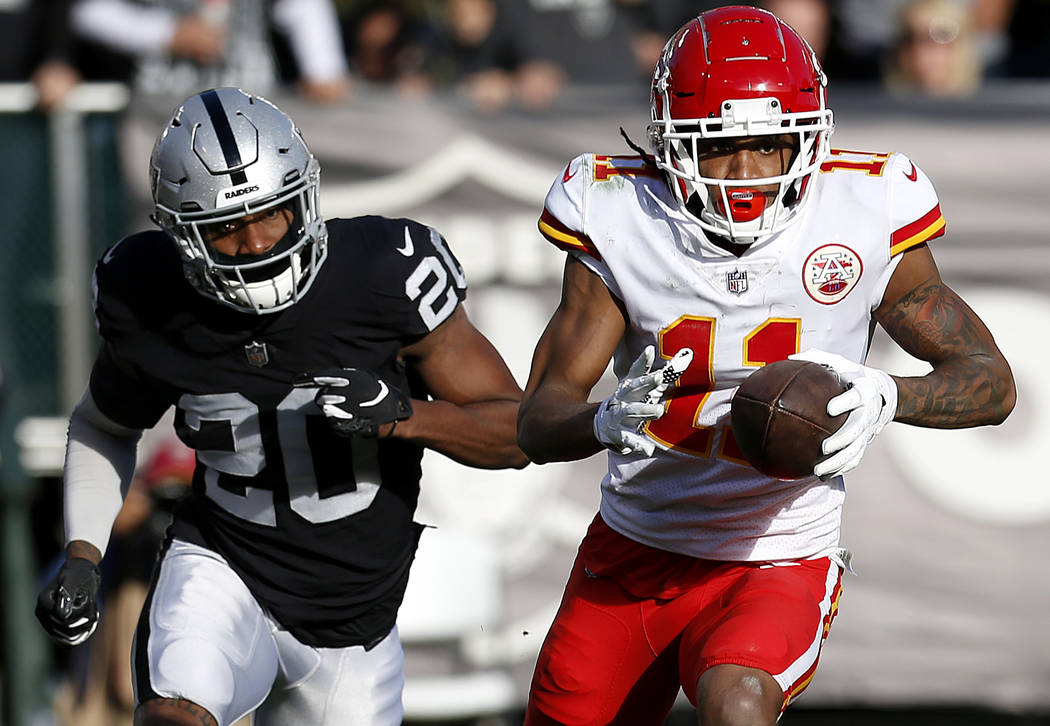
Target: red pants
637,623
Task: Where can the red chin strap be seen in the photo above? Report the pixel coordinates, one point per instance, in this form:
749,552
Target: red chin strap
745,204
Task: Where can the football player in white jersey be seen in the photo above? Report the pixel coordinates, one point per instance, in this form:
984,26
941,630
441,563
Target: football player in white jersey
741,240
310,363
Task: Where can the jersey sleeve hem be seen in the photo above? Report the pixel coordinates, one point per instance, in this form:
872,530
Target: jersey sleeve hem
927,227
564,238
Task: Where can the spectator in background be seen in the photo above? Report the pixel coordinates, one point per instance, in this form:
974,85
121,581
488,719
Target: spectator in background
35,46
584,38
1015,37
482,48
657,20
861,35
810,18
384,42
181,46
936,51
525,52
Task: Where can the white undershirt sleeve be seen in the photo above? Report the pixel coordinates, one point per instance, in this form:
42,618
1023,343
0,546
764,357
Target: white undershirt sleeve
100,464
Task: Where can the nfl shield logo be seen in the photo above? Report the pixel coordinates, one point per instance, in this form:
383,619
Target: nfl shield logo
736,281
256,353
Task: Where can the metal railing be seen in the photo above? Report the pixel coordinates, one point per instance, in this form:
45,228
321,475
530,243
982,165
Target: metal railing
70,205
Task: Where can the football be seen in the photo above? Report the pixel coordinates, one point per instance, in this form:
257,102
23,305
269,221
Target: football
779,416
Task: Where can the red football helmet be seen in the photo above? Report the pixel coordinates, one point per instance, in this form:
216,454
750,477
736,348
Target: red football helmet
738,72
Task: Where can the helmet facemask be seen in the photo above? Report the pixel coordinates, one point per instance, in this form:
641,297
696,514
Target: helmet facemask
265,283
738,73
734,208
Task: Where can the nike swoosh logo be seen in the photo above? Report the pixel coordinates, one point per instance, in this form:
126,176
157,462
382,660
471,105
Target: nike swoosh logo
383,390
914,175
567,176
408,249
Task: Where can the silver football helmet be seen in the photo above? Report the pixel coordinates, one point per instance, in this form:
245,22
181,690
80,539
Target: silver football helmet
227,154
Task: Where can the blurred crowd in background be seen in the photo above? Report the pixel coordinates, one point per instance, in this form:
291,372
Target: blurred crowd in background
499,54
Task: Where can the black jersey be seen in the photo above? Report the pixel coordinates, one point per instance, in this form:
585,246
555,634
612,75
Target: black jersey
319,527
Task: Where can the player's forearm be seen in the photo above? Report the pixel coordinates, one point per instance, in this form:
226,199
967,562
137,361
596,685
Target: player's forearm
99,465
478,434
974,390
555,431
971,383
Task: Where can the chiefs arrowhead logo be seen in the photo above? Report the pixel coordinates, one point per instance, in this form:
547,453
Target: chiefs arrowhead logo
914,174
831,272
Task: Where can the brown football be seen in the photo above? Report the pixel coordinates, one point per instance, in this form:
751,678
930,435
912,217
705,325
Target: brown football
779,416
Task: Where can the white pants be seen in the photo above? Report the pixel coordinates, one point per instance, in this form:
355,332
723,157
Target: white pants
211,643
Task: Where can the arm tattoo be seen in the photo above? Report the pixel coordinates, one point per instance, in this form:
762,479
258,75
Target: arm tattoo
970,384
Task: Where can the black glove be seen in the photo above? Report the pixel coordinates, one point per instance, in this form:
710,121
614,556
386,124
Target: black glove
355,401
66,606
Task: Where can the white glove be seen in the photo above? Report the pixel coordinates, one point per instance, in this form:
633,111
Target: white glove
637,400
871,400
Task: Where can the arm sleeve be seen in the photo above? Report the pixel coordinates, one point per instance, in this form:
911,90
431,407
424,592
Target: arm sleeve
100,463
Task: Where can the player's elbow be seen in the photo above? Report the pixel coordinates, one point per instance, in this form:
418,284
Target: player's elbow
530,438
1003,394
520,459
1007,398
542,445
529,446
494,456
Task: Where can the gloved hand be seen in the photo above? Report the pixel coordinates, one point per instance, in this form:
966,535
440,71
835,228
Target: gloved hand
872,402
637,400
66,606
356,402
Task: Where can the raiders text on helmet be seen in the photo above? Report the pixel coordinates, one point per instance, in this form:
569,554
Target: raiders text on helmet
227,154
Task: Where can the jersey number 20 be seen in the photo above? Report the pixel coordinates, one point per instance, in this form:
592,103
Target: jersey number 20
231,443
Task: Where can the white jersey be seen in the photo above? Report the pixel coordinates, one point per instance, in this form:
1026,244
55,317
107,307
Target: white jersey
814,285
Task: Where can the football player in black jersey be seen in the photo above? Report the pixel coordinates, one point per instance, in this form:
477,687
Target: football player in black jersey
310,363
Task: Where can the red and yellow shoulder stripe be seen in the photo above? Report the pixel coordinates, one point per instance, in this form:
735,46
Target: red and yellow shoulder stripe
929,226
565,238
